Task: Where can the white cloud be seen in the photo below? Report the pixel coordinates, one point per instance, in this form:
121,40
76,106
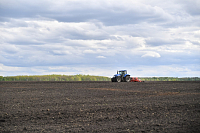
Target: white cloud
151,54
89,51
100,56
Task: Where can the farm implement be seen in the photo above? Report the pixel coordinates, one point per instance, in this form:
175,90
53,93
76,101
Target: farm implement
122,76
135,79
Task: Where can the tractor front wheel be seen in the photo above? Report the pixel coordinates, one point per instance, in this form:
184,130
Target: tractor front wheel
118,79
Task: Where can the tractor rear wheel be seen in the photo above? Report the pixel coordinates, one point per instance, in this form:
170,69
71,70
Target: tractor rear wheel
127,78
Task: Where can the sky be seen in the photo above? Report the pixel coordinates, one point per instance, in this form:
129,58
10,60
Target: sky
149,38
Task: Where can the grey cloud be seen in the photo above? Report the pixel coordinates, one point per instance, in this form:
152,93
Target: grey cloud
163,41
192,7
22,8
196,42
102,11
109,15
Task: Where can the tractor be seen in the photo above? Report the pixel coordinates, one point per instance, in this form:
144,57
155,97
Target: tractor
121,76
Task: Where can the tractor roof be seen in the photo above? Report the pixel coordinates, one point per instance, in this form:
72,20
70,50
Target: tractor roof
122,70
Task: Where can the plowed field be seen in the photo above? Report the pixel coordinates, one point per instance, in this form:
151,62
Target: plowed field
100,107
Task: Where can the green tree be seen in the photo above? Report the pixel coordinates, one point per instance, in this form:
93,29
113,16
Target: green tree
77,78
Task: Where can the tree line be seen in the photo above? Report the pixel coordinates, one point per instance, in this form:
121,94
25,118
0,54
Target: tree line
87,78
55,78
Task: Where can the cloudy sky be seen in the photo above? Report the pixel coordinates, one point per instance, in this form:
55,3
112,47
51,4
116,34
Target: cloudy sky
99,37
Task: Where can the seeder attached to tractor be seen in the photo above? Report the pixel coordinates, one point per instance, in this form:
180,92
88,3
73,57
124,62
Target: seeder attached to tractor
135,79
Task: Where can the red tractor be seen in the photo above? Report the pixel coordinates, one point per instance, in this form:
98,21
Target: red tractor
135,79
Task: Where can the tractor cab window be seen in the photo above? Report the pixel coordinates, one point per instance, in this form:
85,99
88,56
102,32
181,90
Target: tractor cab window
122,72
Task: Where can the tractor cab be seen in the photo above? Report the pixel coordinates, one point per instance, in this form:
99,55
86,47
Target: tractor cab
123,72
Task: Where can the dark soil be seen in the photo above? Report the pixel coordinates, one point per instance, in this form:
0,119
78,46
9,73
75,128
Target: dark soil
100,107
